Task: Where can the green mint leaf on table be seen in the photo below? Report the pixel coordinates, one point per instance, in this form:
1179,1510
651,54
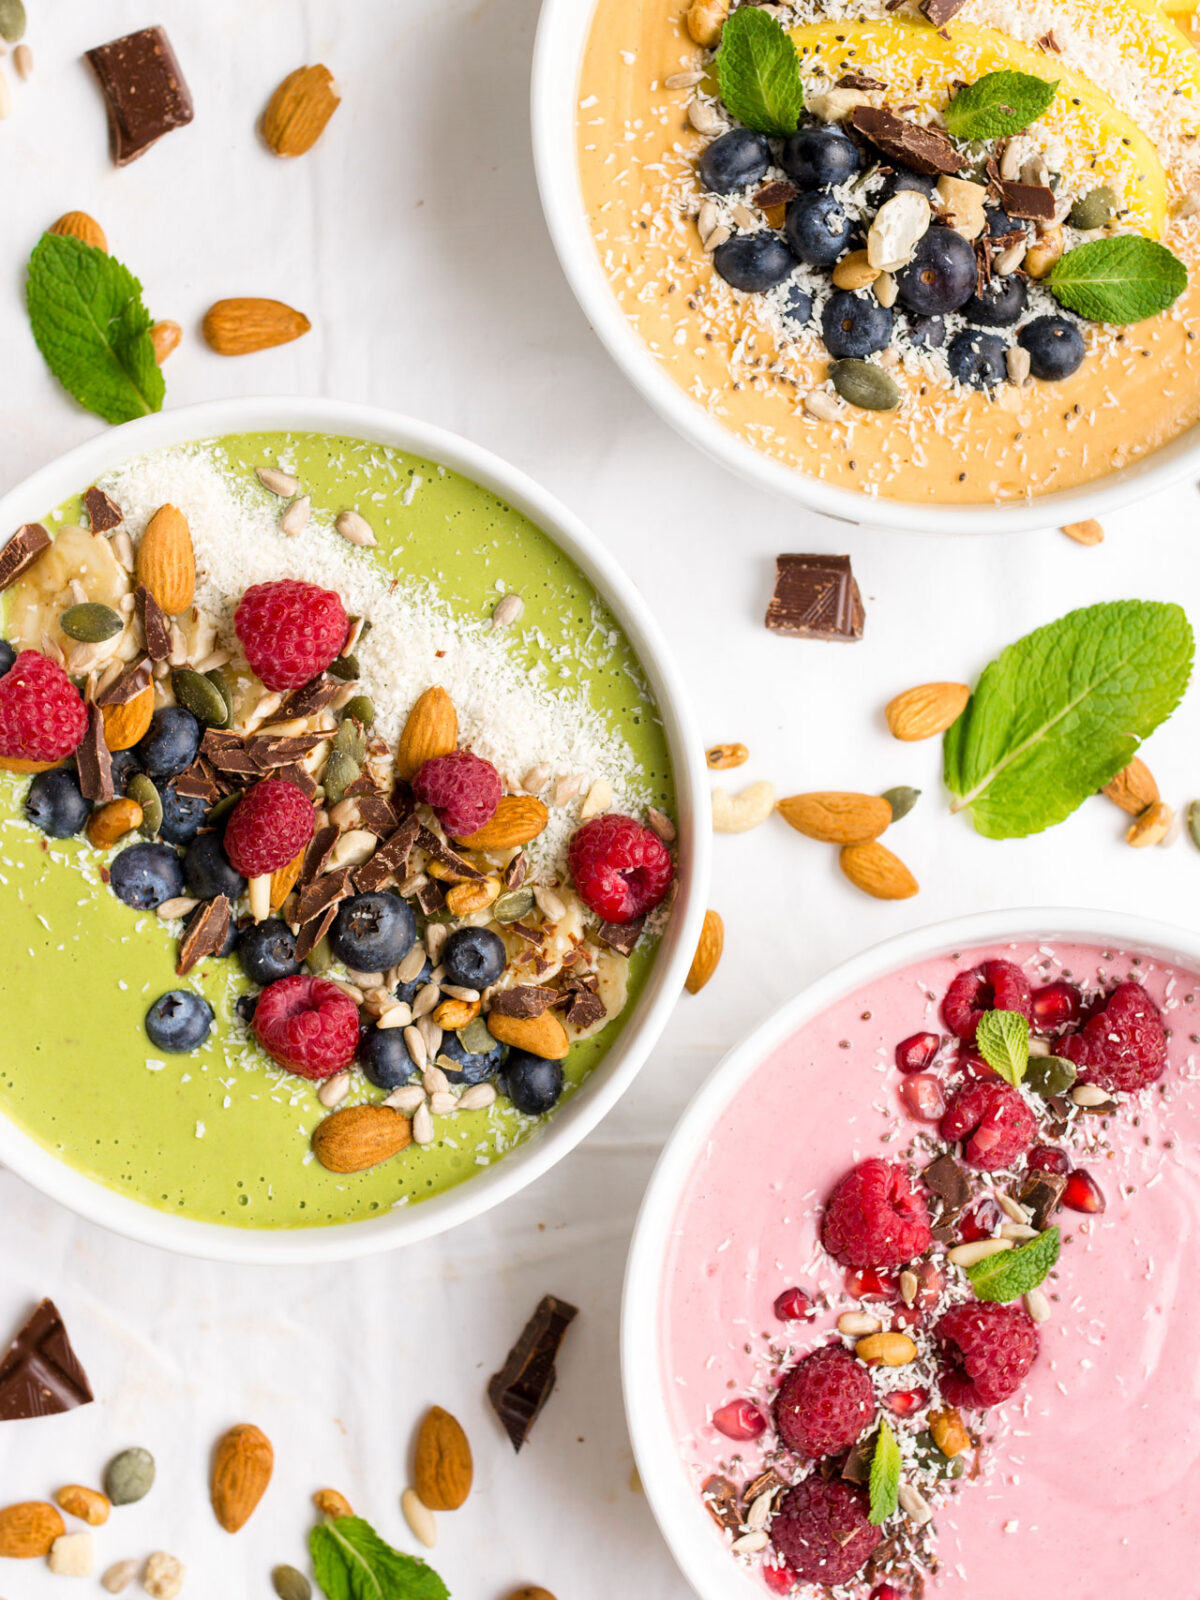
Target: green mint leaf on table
352,1562
1003,1042
1059,713
93,330
885,1476
1011,1273
1120,280
758,72
998,104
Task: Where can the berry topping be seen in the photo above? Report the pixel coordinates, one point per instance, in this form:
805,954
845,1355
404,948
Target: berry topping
941,276
182,814
855,324
987,1351
818,229
875,1218
820,156
170,743
1123,1046
462,788
979,360
864,1283
144,875
917,1052
208,870
179,1021
733,161
753,262
822,1531
55,805
994,986
307,1025
740,1419
373,932
621,869
794,1305
998,304
1083,1193
824,1403
981,1222
290,630
42,717
270,825
906,1402
472,1066
1055,347
994,1123
921,1096
267,951
1048,1158
779,1580
474,957
532,1084
1055,1004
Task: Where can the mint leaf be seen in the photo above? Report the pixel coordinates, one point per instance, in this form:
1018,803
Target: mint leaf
1118,280
352,1562
1003,1041
91,326
1059,713
885,1476
758,71
1012,1273
998,104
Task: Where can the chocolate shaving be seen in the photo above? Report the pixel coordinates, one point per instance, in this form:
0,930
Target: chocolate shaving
197,782
267,751
524,931
939,12
144,91
768,1482
516,870
228,754
1042,1193
946,1179
860,80
310,697
816,597
585,1009
205,933
1033,201
325,891
362,786
857,1466
721,1502
93,761
299,778
156,625
1050,44
923,149
135,680
376,814
104,513
525,1000
311,933
433,846
431,896
21,551
526,1381
777,193
621,936
40,1375
390,860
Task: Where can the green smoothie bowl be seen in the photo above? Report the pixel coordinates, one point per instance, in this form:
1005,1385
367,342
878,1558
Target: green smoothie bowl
353,833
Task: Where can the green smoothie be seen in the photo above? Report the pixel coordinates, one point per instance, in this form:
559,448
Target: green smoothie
222,1135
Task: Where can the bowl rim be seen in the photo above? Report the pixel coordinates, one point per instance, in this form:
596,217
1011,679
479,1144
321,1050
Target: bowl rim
562,33
686,1527
54,482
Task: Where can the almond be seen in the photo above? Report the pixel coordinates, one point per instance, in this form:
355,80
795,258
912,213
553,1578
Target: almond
874,869
443,1470
29,1529
111,822
166,563
165,337
241,326
835,817
518,819
242,1468
89,1505
332,1503
542,1036
283,879
1133,788
723,757
708,952
358,1137
297,112
78,225
431,730
125,725
928,709
531,1593
1089,532
1151,827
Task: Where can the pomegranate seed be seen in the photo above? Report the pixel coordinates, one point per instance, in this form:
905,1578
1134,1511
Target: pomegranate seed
740,1419
1083,1193
973,1066
794,1305
1048,1158
916,1053
868,1284
886,1591
906,1317
932,1281
1056,1004
903,1402
921,1096
782,1580
981,1222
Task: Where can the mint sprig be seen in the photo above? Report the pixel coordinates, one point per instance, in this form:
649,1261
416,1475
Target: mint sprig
758,72
1003,1041
884,1484
998,104
1011,1273
1059,713
91,326
1120,280
352,1562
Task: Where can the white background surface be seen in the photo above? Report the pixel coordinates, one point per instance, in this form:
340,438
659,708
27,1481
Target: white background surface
413,239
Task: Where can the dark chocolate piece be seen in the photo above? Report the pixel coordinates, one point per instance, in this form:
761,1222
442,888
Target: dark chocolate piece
1032,201
228,754
516,871
432,845
311,933
524,930
327,890
156,625
377,816
40,1375
585,1008
1042,1193
21,551
777,193
815,597
204,934
526,1381
721,1502
317,854
860,80
621,936
135,680
926,150
857,1466
268,750
197,782
93,761
104,513
523,1000
939,12
144,91
390,860
312,696
431,897
946,1179
299,778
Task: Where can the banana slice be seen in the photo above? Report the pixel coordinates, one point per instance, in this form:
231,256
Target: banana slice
38,599
612,973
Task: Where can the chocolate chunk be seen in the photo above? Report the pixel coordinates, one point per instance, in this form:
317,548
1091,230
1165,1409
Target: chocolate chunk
431,897
299,778
103,512
815,597
585,1009
390,860
311,933
93,761
524,1000
523,930
135,680
228,754
526,1381
156,625
946,1179
777,193
40,1375
1042,1193
197,782
1032,201
325,891
204,934
925,150
433,846
721,1502
939,12
312,696
377,816
860,80
268,751
21,551
144,91
857,1466
621,936
365,784
516,871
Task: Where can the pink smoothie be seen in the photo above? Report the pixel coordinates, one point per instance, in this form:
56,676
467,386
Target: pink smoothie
1086,1487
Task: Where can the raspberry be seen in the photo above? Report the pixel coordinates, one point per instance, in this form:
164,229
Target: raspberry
621,869
824,1403
993,1121
994,986
462,788
987,1351
270,825
290,630
875,1218
42,717
822,1532
1123,1046
307,1025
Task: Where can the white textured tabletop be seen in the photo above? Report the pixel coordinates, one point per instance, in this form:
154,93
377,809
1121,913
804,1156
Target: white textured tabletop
413,238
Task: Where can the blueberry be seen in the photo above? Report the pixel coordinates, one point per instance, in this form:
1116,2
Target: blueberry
170,743
55,805
230,942
7,656
474,957
734,160
473,1066
999,304
797,308
408,991
533,1085
267,951
820,157
902,179
384,1057
182,815
245,1006
927,333
999,224
818,229
179,1021
753,262
373,931
941,275
977,359
144,875
1055,347
855,324
208,870
124,764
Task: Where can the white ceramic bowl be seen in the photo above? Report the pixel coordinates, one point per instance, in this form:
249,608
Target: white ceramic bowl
562,35
685,1524
580,1114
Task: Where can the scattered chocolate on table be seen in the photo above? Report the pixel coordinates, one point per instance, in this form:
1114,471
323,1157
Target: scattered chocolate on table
144,91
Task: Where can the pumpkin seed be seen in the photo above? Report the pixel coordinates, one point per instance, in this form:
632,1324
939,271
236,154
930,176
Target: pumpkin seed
1049,1075
349,740
129,1476
222,808
201,696
217,678
320,957
1094,209
340,772
290,1584
513,906
863,384
12,20
901,799
141,789
362,709
91,623
346,667
476,1039
1193,822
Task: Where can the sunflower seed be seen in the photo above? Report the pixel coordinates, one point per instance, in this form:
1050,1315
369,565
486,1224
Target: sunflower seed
23,62
412,964
760,1510
536,779
508,611
458,991
355,529
967,1255
119,1576
683,80
280,483
1090,1095
431,1034
422,1130
334,1090
886,289
435,1081
398,1015
822,405
914,1505
599,799
425,1000
707,220
350,989
1011,1208
295,519
443,1105
1016,359
1017,1230
416,1047
477,1098
717,238
549,903
661,825
406,1099
179,907
909,1284
1037,1305
416,1513
750,1542
703,117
